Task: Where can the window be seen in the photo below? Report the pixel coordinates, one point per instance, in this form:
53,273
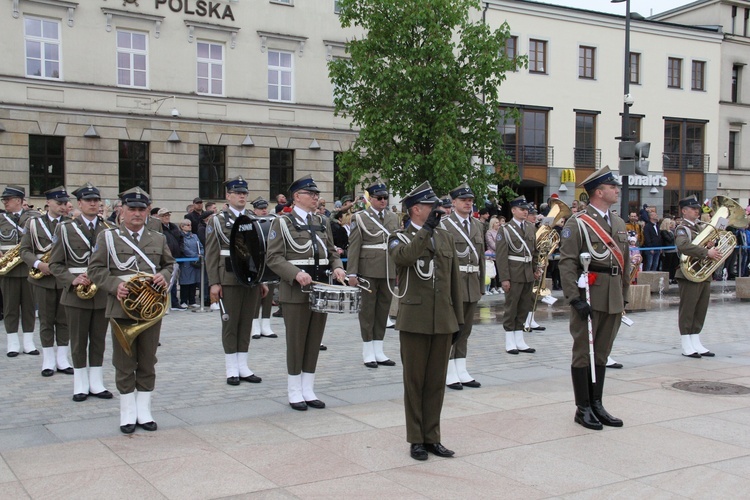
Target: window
339,181
537,56
734,19
336,7
585,148
635,68
132,59
280,76
745,23
586,62
698,81
210,69
732,151
43,51
511,47
211,171
281,170
283,2
736,75
134,167
674,73
684,145
46,163
525,143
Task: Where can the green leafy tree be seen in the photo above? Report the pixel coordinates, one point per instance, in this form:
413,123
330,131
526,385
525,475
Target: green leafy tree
422,85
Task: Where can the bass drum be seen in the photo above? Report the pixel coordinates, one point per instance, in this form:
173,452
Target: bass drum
247,251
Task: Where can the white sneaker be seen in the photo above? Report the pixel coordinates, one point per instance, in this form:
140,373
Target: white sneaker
194,306
183,306
215,306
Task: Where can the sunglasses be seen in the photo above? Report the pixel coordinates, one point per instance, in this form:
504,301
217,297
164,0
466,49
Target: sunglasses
381,198
310,193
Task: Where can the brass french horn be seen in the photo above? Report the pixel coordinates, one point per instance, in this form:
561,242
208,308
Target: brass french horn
146,303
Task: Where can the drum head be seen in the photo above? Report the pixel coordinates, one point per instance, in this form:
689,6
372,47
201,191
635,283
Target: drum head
245,247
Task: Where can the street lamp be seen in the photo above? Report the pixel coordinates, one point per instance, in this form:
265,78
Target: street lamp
627,102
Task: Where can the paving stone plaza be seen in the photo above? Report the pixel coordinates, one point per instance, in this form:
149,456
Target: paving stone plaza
514,437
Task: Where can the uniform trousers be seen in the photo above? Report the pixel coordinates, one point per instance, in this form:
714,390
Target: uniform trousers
265,304
241,303
604,327
53,323
88,333
304,333
518,304
373,314
425,361
139,370
17,294
460,347
694,299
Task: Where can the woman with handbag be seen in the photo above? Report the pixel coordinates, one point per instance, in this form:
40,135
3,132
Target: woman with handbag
190,272
493,288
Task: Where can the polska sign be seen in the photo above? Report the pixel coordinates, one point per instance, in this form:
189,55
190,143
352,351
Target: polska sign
201,8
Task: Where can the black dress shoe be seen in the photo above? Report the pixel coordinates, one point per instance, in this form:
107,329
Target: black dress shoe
604,417
323,348
12,354
439,450
253,379
80,397
471,383
418,451
105,394
31,353
301,406
233,380
539,328
387,362
47,372
316,403
371,364
615,365
512,351
694,355
272,336
67,371
530,350
456,386
148,426
278,314
707,354
585,416
256,336
127,428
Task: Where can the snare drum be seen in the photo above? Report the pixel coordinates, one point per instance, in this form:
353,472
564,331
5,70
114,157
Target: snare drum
335,299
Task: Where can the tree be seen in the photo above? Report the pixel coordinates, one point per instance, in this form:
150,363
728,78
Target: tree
422,85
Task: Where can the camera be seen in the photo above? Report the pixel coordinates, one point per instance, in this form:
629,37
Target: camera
629,100
175,112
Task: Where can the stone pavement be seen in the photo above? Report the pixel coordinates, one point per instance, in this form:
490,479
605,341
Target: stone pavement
514,437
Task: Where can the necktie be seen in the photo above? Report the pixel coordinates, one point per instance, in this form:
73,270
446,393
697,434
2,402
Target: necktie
523,227
606,218
312,236
380,216
91,227
135,237
466,227
16,218
54,224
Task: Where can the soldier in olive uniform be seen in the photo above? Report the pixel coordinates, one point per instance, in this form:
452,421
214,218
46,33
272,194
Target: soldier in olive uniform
367,257
596,231
240,301
300,251
516,255
119,254
468,234
430,314
694,297
86,321
262,321
36,242
18,301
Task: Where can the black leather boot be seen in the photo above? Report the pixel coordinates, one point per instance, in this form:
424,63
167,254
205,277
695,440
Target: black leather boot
584,414
596,400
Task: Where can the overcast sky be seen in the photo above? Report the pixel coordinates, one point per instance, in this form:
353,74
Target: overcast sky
643,7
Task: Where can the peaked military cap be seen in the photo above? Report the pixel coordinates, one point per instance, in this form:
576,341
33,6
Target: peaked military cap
462,192
237,185
377,189
421,194
13,192
135,198
58,194
259,203
307,183
691,201
599,177
520,202
87,192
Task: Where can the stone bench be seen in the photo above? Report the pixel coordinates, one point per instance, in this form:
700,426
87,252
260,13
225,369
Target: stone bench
651,278
742,288
639,298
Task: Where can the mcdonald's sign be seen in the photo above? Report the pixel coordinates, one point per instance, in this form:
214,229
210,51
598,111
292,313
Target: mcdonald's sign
568,175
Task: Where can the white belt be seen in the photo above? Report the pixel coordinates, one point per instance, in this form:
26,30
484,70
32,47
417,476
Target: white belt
77,270
519,259
470,268
308,262
224,253
4,248
39,255
379,246
127,277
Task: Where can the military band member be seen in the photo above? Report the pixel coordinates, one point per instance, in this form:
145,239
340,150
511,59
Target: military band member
240,301
86,321
118,255
36,242
694,297
300,251
596,231
429,316
516,256
368,258
469,237
18,301
262,321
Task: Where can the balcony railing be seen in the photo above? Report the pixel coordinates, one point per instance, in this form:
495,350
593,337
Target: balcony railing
690,162
530,155
587,158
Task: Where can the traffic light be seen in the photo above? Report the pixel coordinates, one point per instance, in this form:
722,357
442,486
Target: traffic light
641,151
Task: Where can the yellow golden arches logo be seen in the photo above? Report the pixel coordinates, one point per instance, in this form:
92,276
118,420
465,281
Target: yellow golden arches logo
568,175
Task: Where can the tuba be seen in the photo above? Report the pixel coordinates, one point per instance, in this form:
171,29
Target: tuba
727,212
547,240
35,273
146,303
10,259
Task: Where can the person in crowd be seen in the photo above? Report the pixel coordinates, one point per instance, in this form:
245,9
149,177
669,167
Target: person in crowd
340,230
116,208
669,256
174,242
195,215
280,203
494,287
651,239
190,272
636,227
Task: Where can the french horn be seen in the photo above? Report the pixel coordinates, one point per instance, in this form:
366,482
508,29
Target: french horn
146,303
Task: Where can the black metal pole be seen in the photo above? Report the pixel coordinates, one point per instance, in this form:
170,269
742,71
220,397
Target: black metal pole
625,132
